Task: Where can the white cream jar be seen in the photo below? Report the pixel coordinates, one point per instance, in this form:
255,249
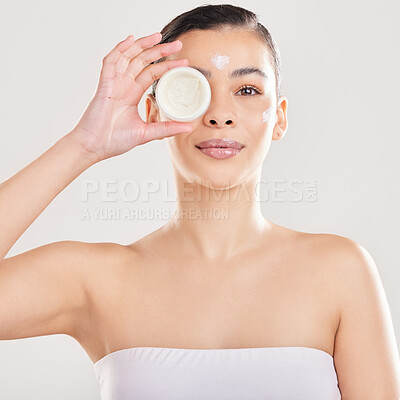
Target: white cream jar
183,94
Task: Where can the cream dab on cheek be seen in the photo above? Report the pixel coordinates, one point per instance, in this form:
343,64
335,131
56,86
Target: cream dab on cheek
219,60
266,115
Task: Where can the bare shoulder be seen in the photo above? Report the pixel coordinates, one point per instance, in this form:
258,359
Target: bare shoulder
96,260
95,265
349,266
103,268
106,264
65,272
326,250
331,261
365,345
336,253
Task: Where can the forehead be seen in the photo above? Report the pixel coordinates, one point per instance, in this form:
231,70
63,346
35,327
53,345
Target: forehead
242,47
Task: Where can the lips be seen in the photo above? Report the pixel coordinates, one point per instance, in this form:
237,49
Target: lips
220,143
220,148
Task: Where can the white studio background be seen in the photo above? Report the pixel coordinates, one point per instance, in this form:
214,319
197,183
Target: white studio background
340,64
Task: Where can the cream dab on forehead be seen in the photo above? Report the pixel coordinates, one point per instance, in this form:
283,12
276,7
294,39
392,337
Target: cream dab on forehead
267,114
219,60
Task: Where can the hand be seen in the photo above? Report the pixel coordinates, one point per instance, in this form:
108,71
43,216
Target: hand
111,124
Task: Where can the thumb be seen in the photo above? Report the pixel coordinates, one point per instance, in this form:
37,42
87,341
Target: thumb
159,130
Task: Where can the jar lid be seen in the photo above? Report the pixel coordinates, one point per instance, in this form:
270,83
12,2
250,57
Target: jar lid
183,94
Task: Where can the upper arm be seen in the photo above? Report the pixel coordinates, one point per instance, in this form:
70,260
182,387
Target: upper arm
43,290
366,354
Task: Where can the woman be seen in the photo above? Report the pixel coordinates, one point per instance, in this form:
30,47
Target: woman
202,308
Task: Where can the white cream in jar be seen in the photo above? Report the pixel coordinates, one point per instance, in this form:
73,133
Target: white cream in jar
183,94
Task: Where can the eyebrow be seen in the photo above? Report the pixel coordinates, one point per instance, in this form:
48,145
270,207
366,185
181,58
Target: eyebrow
236,73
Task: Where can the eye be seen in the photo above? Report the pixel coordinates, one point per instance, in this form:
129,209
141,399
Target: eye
249,88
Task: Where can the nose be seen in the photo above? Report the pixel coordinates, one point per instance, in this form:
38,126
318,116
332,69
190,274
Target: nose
219,114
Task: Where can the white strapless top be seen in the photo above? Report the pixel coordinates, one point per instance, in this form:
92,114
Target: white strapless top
265,373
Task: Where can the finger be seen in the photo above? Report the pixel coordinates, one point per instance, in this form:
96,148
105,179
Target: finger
117,51
108,69
160,130
139,62
142,44
154,71
136,48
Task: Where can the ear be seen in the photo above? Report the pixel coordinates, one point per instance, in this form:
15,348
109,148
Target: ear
152,112
281,124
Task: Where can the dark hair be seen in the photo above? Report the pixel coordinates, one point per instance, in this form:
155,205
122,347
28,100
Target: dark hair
218,17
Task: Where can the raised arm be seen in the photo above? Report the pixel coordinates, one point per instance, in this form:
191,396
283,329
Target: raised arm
39,289
26,194
44,290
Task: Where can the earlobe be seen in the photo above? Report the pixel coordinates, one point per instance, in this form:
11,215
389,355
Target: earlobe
277,134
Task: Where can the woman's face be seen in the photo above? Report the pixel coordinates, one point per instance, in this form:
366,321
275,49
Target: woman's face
235,112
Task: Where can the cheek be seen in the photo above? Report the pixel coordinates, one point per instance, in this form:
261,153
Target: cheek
258,119
181,144
267,114
259,126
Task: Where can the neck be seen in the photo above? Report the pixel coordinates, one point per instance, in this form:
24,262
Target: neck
217,224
